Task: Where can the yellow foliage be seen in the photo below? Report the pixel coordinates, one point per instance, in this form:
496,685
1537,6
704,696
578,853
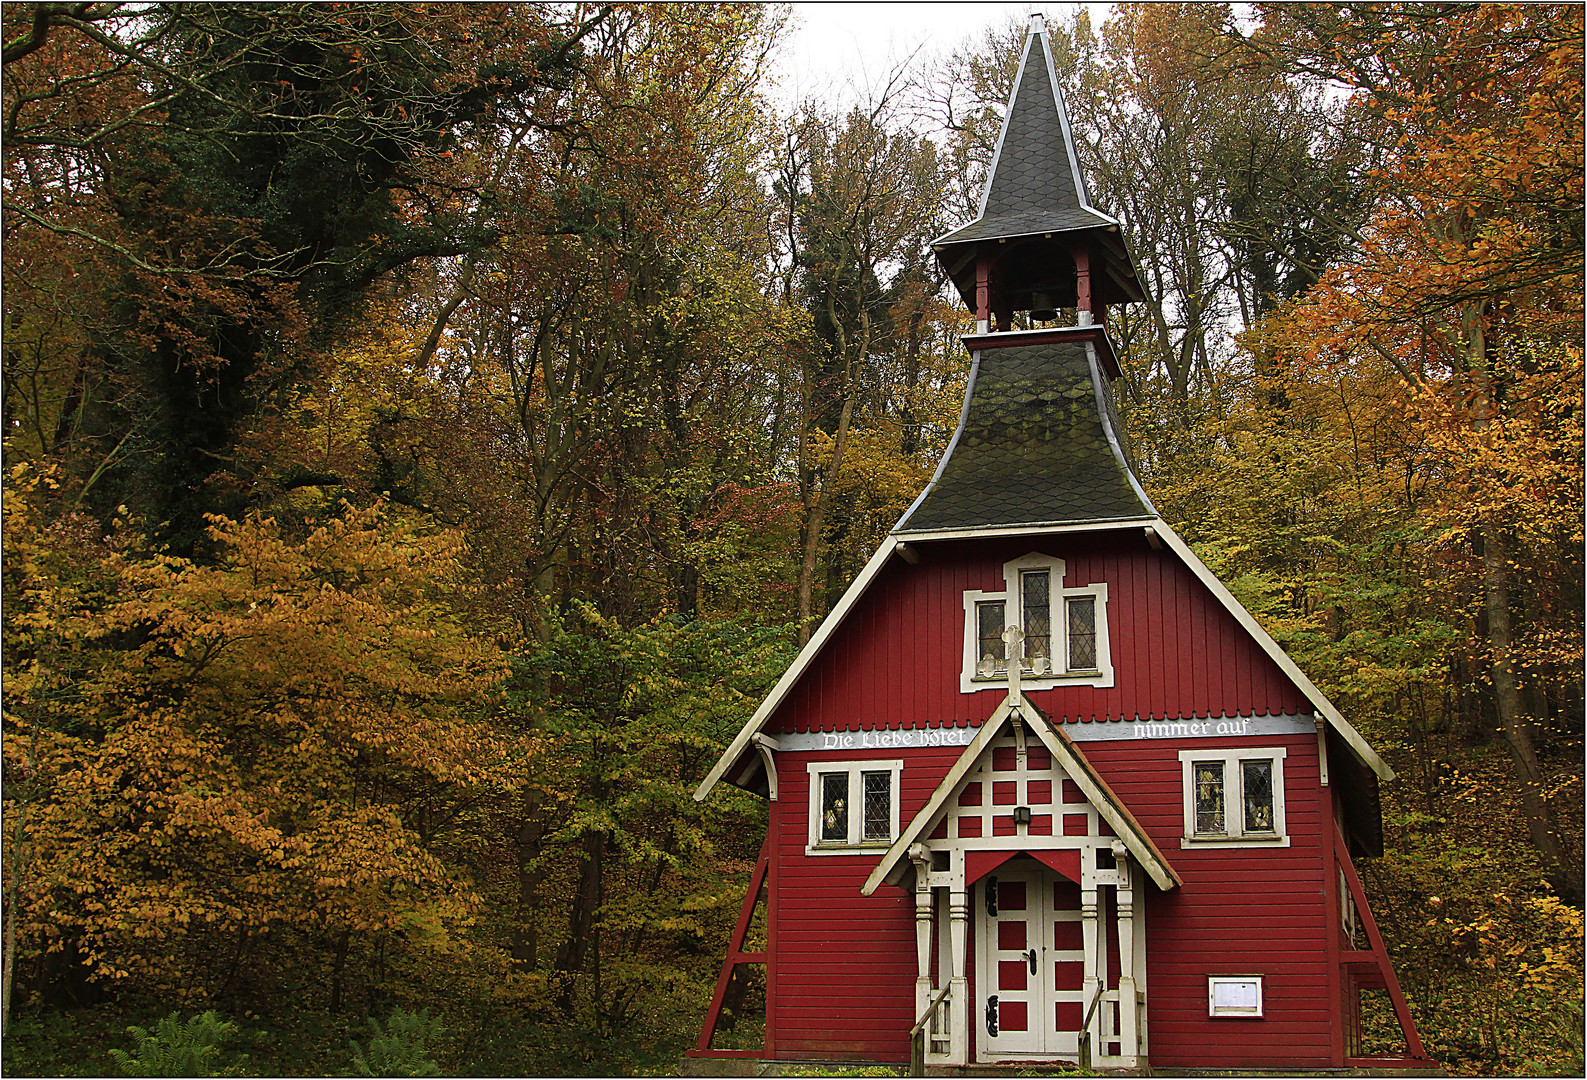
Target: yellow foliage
224,749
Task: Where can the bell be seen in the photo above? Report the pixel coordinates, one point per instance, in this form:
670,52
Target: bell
1042,308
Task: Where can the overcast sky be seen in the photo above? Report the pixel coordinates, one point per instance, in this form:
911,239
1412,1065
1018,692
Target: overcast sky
838,51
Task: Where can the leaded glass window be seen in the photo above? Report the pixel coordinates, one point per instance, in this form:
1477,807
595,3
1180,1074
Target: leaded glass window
989,634
1257,779
1234,797
1209,797
1036,606
1082,633
878,821
835,806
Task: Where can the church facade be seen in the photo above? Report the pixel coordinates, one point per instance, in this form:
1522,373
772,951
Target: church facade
1040,788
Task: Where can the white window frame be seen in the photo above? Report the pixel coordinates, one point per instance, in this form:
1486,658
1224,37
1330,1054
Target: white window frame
1233,798
856,844
1058,607
1231,1011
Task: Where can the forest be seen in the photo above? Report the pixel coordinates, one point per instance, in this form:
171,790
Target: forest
430,429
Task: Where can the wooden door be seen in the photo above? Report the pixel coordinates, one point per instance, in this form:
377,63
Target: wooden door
1012,977
1030,965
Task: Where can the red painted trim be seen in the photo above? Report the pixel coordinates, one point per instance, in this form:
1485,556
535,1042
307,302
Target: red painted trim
1095,333
736,955
1336,990
1413,1041
773,905
1081,254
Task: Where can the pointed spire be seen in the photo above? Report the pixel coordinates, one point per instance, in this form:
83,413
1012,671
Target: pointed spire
1034,185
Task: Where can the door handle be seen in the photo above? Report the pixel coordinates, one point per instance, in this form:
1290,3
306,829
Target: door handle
991,896
1032,957
991,1015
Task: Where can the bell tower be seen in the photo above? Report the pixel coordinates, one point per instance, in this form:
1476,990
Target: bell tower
1037,244
1039,442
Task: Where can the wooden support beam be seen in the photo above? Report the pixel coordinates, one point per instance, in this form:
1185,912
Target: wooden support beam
735,956
1084,309
1380,953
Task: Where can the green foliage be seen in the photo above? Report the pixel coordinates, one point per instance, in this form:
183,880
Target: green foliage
401,1049
177,1049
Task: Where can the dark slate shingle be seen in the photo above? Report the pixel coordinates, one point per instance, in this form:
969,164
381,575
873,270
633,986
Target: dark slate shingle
1033,449
1033,184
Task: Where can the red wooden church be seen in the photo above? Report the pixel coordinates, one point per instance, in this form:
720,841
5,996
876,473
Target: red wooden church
1040,788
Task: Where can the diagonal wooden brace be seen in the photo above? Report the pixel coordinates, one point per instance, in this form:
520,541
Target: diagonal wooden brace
1413,1041
735,949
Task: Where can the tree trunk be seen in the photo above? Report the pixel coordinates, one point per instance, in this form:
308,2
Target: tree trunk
1516,727
338,966
581,951
815,522
526,937
12,894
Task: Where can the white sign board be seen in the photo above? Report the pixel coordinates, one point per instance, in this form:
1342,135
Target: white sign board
1234,995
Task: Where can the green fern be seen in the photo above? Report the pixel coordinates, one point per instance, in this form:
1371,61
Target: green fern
177,1049
400,1049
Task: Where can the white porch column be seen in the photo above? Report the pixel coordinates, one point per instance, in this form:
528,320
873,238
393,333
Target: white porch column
1129,1033
959,930
1093,974
923,987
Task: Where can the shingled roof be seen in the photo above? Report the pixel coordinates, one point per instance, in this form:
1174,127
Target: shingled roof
1035,184
1038,443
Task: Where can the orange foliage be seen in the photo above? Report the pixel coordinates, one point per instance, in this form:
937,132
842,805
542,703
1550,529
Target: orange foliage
231,749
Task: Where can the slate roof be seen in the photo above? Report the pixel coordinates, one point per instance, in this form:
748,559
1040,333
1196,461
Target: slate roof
1035,184
1038,444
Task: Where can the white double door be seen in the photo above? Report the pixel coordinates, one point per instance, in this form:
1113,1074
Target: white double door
1030,964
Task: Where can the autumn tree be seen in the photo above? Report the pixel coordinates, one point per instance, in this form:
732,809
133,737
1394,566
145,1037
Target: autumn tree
203,195
1467,287
859,205
224,761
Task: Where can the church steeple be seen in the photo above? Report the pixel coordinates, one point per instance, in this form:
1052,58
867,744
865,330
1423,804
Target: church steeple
1039,442
1037,244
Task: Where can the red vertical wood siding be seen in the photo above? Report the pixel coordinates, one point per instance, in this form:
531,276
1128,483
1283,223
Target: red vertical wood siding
1177,653
846,963
1251,910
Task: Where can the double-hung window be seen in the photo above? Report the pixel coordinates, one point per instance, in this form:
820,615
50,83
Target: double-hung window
1057,634
853,805
1233,797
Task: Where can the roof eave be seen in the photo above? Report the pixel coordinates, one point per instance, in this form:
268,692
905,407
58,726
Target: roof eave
1104,222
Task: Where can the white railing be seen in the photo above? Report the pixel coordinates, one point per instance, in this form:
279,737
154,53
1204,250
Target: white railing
932,1029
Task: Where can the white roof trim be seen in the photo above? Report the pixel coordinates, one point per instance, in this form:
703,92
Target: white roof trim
1082,192
1275,652
806,656
1035,33
993,531
1064,752
1103,414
